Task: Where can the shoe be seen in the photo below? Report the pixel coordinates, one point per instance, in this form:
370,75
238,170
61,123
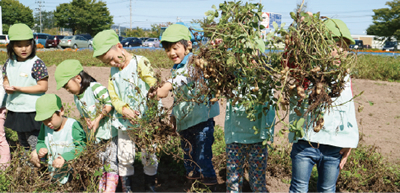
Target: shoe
149,183
126,182
209,181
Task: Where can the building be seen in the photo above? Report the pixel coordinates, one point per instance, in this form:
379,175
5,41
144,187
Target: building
371,40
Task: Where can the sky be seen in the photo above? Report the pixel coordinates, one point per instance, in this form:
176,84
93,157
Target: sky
357,14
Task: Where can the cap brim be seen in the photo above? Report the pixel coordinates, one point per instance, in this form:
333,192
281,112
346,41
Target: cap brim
61,84
101,51
43,116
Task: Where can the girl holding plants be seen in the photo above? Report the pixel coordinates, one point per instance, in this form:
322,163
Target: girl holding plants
25,80
245,143
328,146
89,96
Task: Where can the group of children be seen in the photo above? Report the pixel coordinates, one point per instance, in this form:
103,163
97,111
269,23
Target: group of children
109,113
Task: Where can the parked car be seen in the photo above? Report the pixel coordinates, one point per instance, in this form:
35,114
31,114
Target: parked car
367,46
87,36
143,39
4,39
120,38
359,45
75,41
152,42
390,46
53,41
131,41
40,38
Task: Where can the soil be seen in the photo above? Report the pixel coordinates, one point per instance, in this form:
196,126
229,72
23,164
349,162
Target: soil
379,123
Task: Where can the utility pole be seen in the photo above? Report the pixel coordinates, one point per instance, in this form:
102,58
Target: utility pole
40,13
130,11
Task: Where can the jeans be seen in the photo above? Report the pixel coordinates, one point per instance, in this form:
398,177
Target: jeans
197,143
304,157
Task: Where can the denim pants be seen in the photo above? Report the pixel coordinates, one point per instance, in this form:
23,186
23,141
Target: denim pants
197,143
304,157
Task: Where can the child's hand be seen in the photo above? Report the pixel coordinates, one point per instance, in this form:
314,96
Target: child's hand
130,114
42,152
345,152
35,159
94,124
58,162
9,89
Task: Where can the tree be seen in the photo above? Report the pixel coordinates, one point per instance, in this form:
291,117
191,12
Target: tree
84,16
15,12
386,21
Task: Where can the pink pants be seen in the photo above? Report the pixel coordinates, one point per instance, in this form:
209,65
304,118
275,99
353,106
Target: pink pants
4,147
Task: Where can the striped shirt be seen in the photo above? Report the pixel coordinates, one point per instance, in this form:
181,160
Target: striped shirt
100,93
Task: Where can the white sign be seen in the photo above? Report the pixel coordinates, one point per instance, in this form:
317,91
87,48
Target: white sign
265,19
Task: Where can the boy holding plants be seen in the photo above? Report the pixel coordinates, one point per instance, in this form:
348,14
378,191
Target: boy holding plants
330,147
60,138
193,121
127,69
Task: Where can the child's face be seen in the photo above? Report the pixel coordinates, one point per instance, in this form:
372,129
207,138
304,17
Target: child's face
343,46
22,49
176,52
55,121
73,86
112,57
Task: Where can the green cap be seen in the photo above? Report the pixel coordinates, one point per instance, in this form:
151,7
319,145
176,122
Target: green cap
66,70
175,33
339,29
103,41
46,106
260,45
20,31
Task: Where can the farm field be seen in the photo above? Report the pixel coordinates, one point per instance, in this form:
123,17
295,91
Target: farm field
378,122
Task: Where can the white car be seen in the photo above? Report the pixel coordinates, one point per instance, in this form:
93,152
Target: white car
152,42
4,39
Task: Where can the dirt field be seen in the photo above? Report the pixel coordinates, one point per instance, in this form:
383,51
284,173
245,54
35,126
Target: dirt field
379,121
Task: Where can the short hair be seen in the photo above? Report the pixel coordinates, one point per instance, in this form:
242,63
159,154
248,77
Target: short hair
167,45
11,53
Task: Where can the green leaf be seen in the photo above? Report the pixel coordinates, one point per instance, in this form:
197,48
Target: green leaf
371,103
275,25
214,7
300,123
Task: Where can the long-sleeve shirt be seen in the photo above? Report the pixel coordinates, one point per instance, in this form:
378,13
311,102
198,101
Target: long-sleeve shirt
145,72
79,139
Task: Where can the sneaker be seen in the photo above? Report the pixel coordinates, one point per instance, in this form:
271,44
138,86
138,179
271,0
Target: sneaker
209,181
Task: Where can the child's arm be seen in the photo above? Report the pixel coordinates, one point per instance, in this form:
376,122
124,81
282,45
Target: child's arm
101,94
40,87
41,147
146,72
120,106
6,85
79,137
345,152
163,91
40,74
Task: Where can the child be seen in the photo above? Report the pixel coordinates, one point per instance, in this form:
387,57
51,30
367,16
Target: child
331,146
60,138
90,95
25,80
243,143
194,122
4,147
127,73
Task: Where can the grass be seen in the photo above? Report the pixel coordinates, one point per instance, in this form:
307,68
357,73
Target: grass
158,58
375,67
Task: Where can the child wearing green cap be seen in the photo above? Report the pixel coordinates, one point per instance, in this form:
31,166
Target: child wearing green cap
128,72
94,104
61,139
330,147
25,80
194,122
